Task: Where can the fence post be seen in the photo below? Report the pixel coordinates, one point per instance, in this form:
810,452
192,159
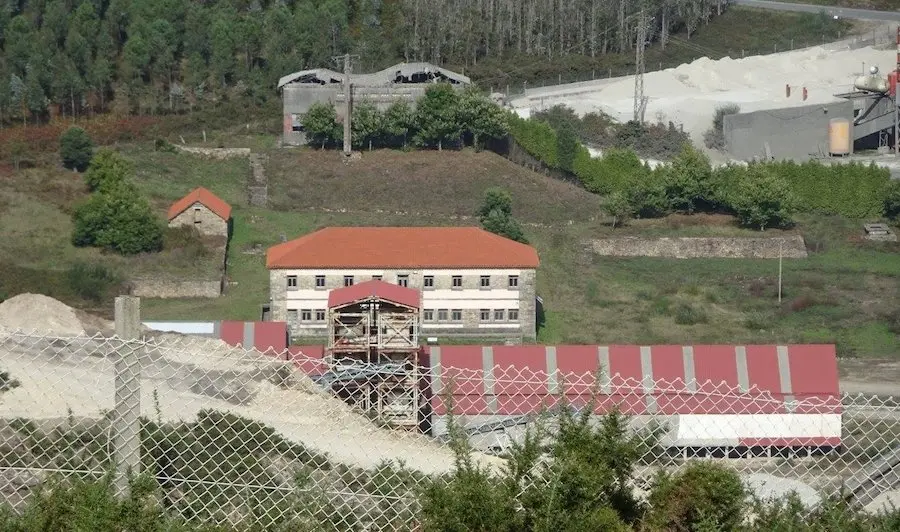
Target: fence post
126,422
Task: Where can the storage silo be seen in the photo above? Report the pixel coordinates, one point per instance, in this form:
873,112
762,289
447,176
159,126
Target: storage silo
839,142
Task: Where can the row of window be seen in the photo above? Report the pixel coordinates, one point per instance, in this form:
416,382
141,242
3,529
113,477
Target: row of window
428,315
456,281
483,315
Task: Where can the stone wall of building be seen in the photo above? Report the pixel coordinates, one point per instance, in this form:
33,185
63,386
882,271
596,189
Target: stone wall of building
204,220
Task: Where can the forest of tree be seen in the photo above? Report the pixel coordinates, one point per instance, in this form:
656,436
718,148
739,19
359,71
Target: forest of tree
148,56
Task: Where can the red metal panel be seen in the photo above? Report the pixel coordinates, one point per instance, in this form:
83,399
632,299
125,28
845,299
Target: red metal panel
819,404
632,404
232,332
625,364
762,369
576,359
668,364
466,405
308,359
813,370
462,367
717,364
520,370
522,404
270,337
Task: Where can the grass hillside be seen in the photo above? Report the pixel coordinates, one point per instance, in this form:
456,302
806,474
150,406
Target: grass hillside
878,5
846,292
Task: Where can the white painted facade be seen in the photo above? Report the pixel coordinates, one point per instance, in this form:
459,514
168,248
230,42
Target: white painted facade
444,305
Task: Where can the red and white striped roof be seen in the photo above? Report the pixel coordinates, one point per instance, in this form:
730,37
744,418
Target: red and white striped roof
660,379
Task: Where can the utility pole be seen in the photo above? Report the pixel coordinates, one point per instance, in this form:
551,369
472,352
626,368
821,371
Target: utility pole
348,69
640,102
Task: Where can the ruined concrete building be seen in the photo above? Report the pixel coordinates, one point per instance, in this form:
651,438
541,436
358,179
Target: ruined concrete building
403,81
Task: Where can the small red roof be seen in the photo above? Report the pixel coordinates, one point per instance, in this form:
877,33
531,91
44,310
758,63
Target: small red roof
206,198
374,290
401,247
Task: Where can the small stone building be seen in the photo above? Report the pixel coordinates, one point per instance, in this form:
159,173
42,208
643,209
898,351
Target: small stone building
203,210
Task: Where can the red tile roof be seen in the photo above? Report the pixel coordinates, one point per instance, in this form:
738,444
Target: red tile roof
401,247
205,197
374,289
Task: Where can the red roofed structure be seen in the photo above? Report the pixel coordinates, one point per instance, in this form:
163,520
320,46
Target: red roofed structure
203,210
372,290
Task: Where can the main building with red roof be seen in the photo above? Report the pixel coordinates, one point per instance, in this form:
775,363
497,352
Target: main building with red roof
473,282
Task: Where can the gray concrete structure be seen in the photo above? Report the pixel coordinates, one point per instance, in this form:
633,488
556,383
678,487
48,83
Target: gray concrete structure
404,81
798,133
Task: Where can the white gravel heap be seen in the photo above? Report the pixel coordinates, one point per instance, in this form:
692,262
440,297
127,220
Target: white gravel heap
690,93
41,314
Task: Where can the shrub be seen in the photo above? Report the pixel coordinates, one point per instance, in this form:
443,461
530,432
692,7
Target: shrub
75,148
686,314
714,137
566,148
118,219
703,496
647,196
535,137
161,144
762,199
107,169
892,201
367,124
495,215
91,281
320,124
689,181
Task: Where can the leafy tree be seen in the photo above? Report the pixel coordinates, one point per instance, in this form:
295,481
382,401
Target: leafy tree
320,124
618,206
367,124
399,121
689,181
438,117
495,215
106,170
118,219
76,149
481,117
762,199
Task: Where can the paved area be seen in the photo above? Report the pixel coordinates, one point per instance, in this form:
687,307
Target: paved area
842,12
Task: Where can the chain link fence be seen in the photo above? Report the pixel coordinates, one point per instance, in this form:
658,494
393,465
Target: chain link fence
236,437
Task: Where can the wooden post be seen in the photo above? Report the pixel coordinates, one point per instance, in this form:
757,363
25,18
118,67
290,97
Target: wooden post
126,421
780,245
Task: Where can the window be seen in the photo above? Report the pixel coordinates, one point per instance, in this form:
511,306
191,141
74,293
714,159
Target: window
320,315
513,314
513,281
485,315
197,215
292,315
292,282
305,315
455,315
403,280
428,281
457,281
498,315
320,281
428,315
485,281
442,314
348,280
376,277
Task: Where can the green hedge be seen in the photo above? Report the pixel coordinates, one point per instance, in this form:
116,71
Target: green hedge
852,190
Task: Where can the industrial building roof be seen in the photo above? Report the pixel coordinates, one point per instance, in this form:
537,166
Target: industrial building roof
664,379
204,197
401,247
374,289
388,76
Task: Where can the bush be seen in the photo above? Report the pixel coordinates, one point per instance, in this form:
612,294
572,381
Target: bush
714,137
107,169
703,496
118,219
495,215
321,125
689,181
619,208
892,201
761,199
91,281
75,148
647,196
161,144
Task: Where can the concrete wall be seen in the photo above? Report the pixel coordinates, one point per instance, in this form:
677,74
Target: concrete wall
298,98
203,219
791,133
170,289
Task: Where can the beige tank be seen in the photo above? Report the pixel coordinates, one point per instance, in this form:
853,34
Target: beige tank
839,136
873,83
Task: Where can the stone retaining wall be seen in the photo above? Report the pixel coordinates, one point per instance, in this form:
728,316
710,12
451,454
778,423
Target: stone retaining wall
214,153
168,288
792,247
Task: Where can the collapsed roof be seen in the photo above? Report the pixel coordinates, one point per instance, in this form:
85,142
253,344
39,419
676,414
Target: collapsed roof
399,73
